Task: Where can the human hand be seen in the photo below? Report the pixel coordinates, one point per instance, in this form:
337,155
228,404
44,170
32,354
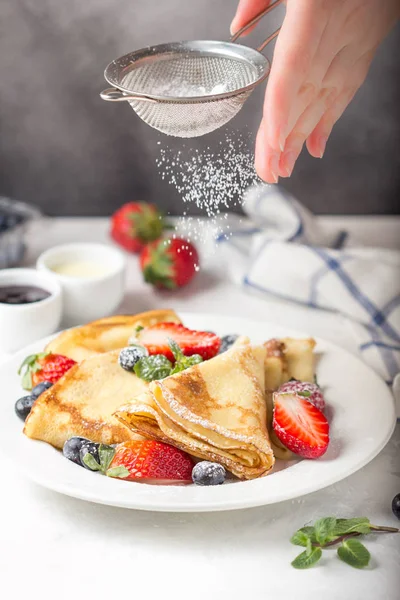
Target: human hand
321,58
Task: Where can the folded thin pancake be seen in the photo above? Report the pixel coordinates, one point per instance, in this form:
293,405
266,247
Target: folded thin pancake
105,334
215,410
82,403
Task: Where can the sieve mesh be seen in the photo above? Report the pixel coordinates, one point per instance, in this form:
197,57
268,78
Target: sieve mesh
187,89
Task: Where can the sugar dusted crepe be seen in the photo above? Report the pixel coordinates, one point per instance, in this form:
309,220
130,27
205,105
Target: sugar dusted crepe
215,410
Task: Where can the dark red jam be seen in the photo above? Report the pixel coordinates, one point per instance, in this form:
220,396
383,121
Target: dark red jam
22,294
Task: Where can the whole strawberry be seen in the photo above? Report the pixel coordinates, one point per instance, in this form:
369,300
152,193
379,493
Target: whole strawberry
135,224
44,367
307,390
153,460
169,263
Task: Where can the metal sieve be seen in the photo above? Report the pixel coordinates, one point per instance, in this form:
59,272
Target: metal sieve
188,89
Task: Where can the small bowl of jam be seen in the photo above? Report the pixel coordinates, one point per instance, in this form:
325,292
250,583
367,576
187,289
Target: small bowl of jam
30,307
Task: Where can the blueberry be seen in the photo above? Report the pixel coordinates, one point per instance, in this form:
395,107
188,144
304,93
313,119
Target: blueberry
208,473
24,405
396,506
73,446
227,341
89,448
128,357
40,388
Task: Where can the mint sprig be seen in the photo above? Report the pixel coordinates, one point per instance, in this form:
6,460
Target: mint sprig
331,531
30,365
106,455
158,366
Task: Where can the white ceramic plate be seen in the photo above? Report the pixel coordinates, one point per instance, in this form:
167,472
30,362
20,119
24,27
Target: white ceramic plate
361,413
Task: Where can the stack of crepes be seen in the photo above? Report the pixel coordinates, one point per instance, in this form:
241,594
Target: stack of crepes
215,410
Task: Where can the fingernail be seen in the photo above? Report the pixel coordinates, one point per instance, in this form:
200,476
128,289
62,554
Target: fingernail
274,167
233,27
322,145
289,160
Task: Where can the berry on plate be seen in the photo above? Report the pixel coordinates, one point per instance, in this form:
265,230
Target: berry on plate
153,460
41,387
23,406
396,506
227,342
169,263
44,367
128,357
135,224
310,391
157,337
300,426
72,448
208,473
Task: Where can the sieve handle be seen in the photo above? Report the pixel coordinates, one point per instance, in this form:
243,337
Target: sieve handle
115,95
254,21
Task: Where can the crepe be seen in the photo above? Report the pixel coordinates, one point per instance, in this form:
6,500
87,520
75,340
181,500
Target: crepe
105,334
215,410
82,402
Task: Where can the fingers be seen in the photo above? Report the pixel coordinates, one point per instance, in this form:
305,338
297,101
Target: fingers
266,160
246,11
289,88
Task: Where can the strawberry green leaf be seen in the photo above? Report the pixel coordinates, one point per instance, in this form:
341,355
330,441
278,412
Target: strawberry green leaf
305,394
91,462
120,472
306,560
106,454
354,553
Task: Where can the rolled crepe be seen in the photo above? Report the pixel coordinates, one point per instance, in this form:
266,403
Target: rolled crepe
215,410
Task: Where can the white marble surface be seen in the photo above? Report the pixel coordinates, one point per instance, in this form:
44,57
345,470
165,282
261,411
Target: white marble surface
58,547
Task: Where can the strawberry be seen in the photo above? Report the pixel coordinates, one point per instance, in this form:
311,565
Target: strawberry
149,459
309,391
135,224
300,426
44,367
169,263
156,340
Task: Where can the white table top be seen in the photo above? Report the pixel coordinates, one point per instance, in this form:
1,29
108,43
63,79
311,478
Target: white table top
58,547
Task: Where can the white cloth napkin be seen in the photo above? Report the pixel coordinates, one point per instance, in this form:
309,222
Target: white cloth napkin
284,251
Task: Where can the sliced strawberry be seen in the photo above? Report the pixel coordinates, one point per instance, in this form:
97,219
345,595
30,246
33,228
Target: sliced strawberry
310,391
44,367
156,340
153,460
300,426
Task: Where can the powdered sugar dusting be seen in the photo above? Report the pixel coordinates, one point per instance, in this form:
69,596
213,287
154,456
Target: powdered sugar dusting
212,180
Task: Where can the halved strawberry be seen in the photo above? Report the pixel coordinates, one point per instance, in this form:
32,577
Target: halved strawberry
44,367
300,426
153,460
156,340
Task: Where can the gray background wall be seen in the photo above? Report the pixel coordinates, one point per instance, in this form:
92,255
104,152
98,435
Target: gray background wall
63,148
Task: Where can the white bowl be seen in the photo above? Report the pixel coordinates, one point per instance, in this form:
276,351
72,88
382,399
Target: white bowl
21,324
87,298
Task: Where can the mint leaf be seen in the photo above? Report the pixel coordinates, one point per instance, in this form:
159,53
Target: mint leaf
120,472
175,349
354,553
300,538
106,454
324,529
305,394
185,362
153,367
356,525
91,462
139,328
306,560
